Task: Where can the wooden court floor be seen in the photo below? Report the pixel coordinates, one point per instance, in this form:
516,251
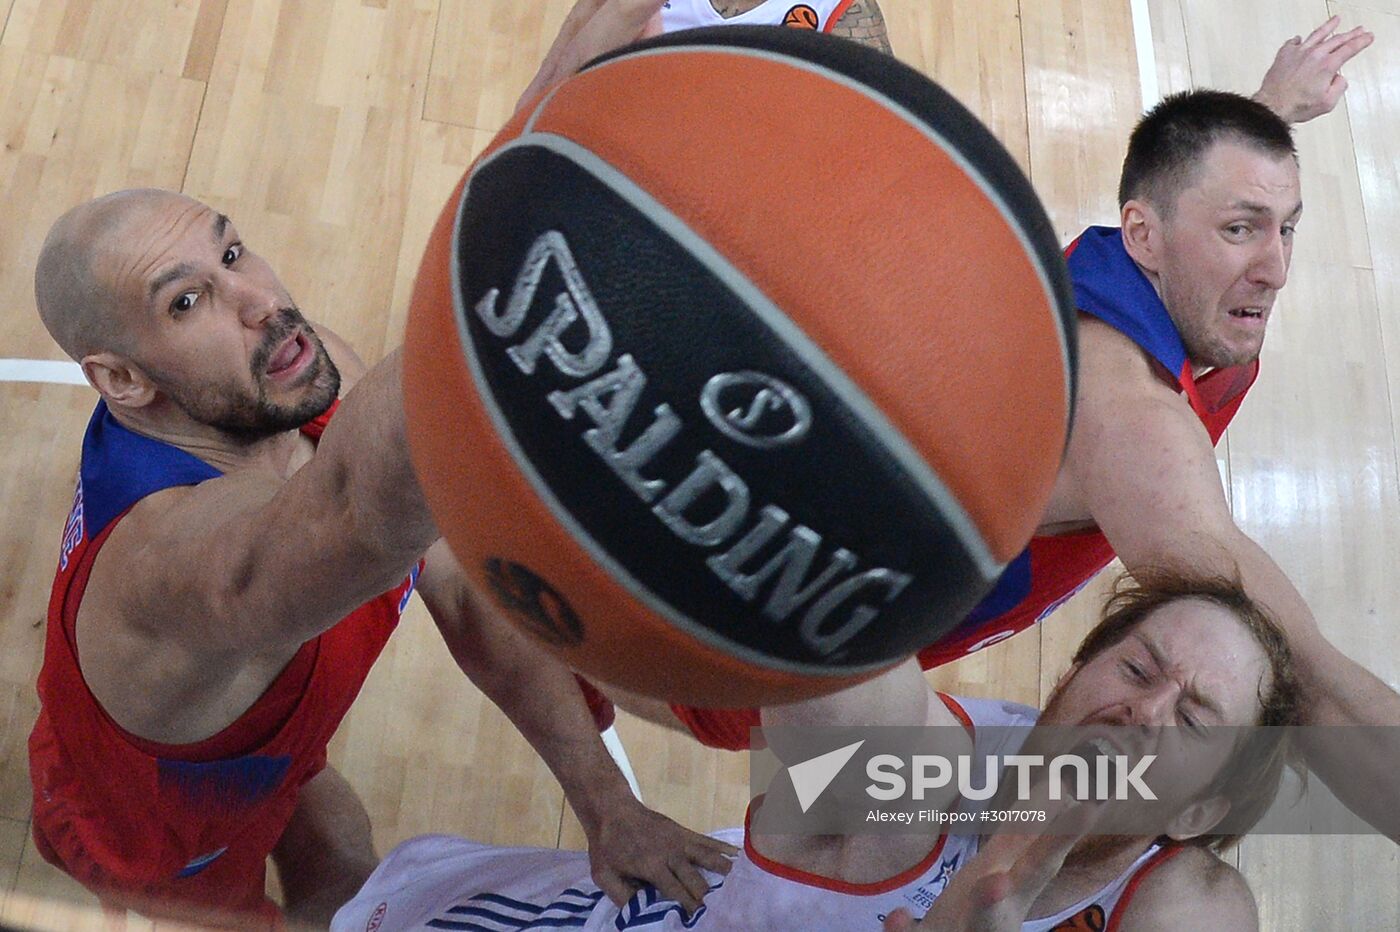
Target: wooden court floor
332,130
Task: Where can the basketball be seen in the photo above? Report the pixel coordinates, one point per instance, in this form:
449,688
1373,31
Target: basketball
739,365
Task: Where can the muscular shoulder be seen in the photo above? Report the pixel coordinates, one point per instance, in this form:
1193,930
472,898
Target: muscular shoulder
1193,890
1122,389
1105,352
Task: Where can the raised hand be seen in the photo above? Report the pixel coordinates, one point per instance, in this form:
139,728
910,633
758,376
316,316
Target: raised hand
1305,80
996,889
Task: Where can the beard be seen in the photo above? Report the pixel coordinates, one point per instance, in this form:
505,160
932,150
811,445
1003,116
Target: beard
249,417
1205,349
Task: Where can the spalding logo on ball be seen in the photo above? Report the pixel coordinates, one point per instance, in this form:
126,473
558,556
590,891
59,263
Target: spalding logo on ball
739,365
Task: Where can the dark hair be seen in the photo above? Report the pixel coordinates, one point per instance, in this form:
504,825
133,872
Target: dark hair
1250,779
1168,143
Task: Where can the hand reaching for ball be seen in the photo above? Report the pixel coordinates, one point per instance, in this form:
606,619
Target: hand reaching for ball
592,28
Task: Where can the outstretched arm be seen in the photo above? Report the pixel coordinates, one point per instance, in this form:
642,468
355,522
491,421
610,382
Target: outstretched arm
1305,80
628,844
592,28
1146,469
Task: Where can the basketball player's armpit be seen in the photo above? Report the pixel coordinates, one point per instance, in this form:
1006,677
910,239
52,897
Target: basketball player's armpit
864,23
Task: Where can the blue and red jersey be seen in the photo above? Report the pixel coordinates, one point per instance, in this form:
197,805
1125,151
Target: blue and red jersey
194,823
1108,285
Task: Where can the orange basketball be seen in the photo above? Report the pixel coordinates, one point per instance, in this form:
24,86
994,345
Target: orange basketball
801,17
733,401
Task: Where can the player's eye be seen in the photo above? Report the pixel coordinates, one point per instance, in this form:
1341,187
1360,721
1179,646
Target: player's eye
1195,725
184,302
232,254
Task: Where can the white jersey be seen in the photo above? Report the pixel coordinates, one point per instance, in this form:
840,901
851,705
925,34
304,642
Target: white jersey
803,14
437,882
1104,909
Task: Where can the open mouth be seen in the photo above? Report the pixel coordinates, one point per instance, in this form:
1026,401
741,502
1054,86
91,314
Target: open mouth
1247,313
289,355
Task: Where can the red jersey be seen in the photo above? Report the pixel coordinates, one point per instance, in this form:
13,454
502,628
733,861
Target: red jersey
135,820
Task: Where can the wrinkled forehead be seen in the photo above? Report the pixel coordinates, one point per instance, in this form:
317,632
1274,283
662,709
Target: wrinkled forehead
1212,649
132,238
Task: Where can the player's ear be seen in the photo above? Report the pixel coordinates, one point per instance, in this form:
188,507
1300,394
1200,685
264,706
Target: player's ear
118,380
1142,234
1198,818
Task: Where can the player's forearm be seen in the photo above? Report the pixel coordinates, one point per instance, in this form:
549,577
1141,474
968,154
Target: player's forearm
1364,773
1361,767
864,23
539,695
363,472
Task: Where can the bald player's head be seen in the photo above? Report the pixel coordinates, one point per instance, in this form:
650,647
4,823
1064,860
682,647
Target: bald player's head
176,322
76,302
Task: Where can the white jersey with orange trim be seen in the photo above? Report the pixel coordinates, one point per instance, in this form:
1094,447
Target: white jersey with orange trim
801,14
1104,910
437,882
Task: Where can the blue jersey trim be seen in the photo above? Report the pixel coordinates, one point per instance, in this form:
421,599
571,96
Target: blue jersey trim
120,467
1109,285
1011,589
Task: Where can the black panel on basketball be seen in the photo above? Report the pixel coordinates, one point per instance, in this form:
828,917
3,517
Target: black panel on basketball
838,479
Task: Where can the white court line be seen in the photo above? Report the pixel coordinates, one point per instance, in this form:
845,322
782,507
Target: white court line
1146,55
41,370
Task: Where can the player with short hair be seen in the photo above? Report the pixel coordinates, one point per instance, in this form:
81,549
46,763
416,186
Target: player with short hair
1173,307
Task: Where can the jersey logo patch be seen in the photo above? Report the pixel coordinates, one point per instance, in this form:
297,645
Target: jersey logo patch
1091,919
801,17
72,529
201,862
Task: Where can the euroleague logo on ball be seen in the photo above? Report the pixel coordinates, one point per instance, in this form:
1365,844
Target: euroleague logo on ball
521,591
801,17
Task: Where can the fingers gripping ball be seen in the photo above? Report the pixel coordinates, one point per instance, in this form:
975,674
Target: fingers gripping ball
739,365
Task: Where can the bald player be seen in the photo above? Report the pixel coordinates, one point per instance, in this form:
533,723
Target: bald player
241,545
